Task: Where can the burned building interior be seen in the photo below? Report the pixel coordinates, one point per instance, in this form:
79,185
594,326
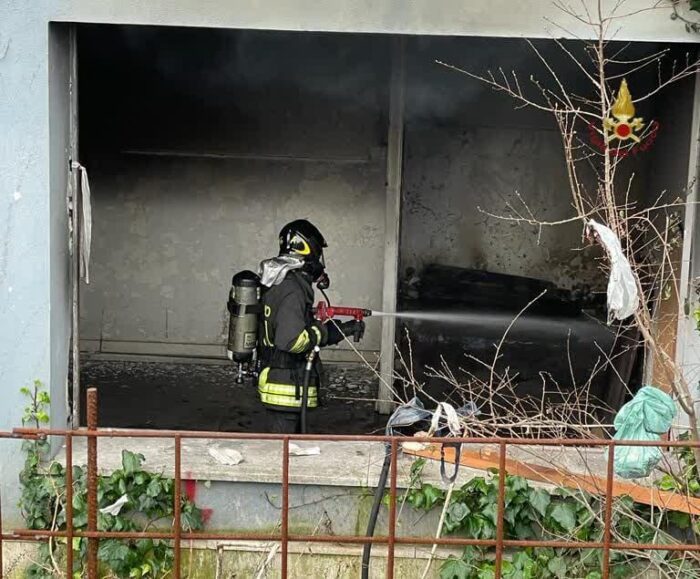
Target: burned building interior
201,143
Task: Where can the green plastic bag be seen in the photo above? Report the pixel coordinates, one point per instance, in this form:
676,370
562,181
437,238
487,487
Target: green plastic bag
646,417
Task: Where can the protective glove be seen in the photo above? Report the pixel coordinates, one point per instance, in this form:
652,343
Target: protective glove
334,334
337,332
354,329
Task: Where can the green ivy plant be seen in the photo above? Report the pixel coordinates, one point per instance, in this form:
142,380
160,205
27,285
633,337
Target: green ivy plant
149,502
34,492
534,513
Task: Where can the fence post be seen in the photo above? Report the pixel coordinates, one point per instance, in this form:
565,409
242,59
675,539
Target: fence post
177,507
607,532
0,533
285,504
69,505
392,510
501,509
93,543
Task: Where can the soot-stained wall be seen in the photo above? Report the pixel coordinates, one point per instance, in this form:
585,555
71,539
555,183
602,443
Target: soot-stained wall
470,153
201,144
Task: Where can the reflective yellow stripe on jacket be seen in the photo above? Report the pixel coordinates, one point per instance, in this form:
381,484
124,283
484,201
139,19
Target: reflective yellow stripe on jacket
302,343
283,394
304,340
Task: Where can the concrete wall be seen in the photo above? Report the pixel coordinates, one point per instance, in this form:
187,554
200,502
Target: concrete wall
471,153
688,347
666,184
456,175
60,127
254,130
646,20
25,224
25,227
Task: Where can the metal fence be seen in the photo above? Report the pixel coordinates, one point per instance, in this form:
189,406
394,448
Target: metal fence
176,535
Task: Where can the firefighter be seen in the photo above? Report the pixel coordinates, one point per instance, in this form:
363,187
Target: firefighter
289,330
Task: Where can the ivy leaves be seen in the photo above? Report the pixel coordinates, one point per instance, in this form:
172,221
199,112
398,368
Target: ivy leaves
36,412
137,559
454,568
131,462
425,498
149,501
564,514
536,513
539,500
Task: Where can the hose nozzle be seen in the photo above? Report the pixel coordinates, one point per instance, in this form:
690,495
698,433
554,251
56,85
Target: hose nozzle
325,312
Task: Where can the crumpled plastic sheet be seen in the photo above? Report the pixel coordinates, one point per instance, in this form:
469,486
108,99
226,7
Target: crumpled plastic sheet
83,214
407,415
227,456
646,417
451,416
414,411
296,450
623,297
115,508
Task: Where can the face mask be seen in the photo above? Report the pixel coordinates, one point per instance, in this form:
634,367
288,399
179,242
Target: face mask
323,282
317,272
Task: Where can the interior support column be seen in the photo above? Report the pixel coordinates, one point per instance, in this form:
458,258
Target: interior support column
688,341
75,236
394,166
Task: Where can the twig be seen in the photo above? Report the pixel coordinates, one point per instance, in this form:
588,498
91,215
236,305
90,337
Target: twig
445,506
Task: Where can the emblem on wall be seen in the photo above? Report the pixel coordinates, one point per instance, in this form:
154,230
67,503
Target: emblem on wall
623,133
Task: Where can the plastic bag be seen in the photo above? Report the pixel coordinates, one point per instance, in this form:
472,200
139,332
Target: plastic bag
623,297
407,415
646,417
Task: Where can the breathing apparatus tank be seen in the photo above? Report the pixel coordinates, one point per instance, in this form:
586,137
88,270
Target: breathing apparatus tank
244,308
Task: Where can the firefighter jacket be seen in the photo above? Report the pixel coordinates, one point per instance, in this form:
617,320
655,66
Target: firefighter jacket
288,333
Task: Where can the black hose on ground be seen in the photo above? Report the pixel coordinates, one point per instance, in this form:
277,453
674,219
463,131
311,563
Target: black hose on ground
374,513
305,399
305,387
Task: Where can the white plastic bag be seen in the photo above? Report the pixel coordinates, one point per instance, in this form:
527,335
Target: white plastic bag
115,508
623,298
296,450
451,417
227,456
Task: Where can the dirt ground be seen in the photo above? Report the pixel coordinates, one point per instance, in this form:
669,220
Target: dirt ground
195,396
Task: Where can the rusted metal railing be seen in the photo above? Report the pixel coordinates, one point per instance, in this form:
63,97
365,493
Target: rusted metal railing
177,536
93,543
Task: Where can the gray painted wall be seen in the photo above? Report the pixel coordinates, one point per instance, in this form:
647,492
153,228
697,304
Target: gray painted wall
170,233
25,227
30,314
472,156
526,18
299,122
455,176
59,127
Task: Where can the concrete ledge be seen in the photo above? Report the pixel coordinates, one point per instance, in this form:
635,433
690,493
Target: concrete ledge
354,464
16,557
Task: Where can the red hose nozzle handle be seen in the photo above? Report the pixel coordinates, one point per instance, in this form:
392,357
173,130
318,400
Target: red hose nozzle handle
325,312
